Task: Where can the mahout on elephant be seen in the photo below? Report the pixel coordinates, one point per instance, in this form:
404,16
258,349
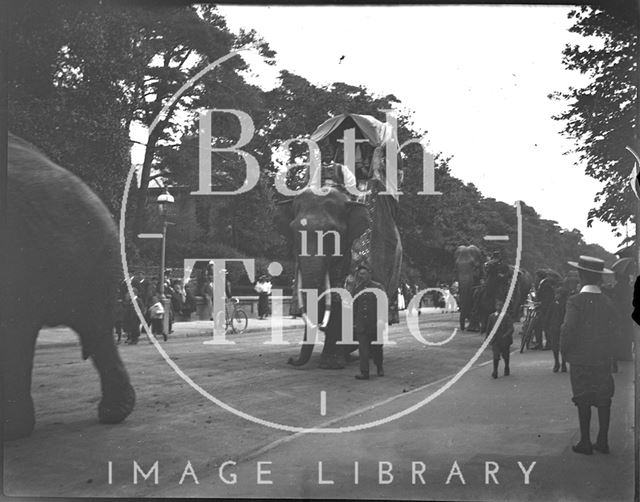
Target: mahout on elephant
366,226
62,268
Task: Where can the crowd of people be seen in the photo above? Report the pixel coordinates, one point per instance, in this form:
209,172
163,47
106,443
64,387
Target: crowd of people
551,295
147,295
587,326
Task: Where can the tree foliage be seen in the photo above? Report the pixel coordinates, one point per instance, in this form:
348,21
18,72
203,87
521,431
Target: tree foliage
83,73
602,116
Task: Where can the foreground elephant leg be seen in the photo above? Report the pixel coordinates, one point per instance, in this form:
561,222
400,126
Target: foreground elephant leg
118,396
17,365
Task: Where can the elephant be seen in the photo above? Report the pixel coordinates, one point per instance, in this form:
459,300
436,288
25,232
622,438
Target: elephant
468,265
302,220
367,226
62,268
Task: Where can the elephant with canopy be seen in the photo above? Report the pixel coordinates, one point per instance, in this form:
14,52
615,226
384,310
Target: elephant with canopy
366,226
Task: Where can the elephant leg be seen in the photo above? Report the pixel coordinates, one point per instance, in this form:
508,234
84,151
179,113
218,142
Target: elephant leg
329,358
347,352
462,321
18,350
118,396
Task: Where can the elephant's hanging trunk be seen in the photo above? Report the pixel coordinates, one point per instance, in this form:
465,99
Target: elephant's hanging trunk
311,324
327,304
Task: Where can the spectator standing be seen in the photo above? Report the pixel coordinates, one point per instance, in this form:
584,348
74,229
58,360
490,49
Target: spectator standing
207,292
568,288
156,314
263,288
131,321
545,296
503,338
401,302
366,322
588,339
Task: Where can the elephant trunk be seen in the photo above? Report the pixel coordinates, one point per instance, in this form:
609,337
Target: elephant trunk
312,274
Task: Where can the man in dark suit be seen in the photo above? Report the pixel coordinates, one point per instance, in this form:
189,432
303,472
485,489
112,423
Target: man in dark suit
545,295
588,340
366,321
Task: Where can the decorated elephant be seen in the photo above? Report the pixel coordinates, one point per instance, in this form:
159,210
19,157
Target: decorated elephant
309,221
468,265
62,268
366,224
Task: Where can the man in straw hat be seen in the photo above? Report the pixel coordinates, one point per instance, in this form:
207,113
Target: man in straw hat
587,338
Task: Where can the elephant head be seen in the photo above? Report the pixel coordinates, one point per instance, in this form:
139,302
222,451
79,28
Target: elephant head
468,265
321,225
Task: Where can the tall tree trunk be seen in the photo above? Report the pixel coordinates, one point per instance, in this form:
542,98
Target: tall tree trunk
141,196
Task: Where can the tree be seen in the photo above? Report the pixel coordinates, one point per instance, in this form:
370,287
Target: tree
603,116
62,94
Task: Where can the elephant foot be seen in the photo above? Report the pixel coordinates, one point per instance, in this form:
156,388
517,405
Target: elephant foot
330,364
114,409
362,376
19,420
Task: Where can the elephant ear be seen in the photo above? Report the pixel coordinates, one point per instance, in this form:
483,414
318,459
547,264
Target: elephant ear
284,217
358,220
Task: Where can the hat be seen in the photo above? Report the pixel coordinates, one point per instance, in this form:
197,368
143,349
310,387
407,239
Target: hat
590,264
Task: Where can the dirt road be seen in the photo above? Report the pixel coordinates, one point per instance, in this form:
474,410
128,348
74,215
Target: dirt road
70,454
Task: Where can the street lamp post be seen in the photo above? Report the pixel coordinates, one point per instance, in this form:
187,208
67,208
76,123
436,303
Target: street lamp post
164,200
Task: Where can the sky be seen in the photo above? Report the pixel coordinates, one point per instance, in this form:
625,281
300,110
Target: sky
477,79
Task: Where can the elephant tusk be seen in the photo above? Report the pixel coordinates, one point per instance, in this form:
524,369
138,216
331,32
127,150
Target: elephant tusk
305,317
327,302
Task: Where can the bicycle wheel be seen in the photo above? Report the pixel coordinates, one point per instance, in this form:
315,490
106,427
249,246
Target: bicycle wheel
527,334
239,322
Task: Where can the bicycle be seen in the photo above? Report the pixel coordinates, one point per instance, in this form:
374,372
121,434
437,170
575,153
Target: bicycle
236,319
529,327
